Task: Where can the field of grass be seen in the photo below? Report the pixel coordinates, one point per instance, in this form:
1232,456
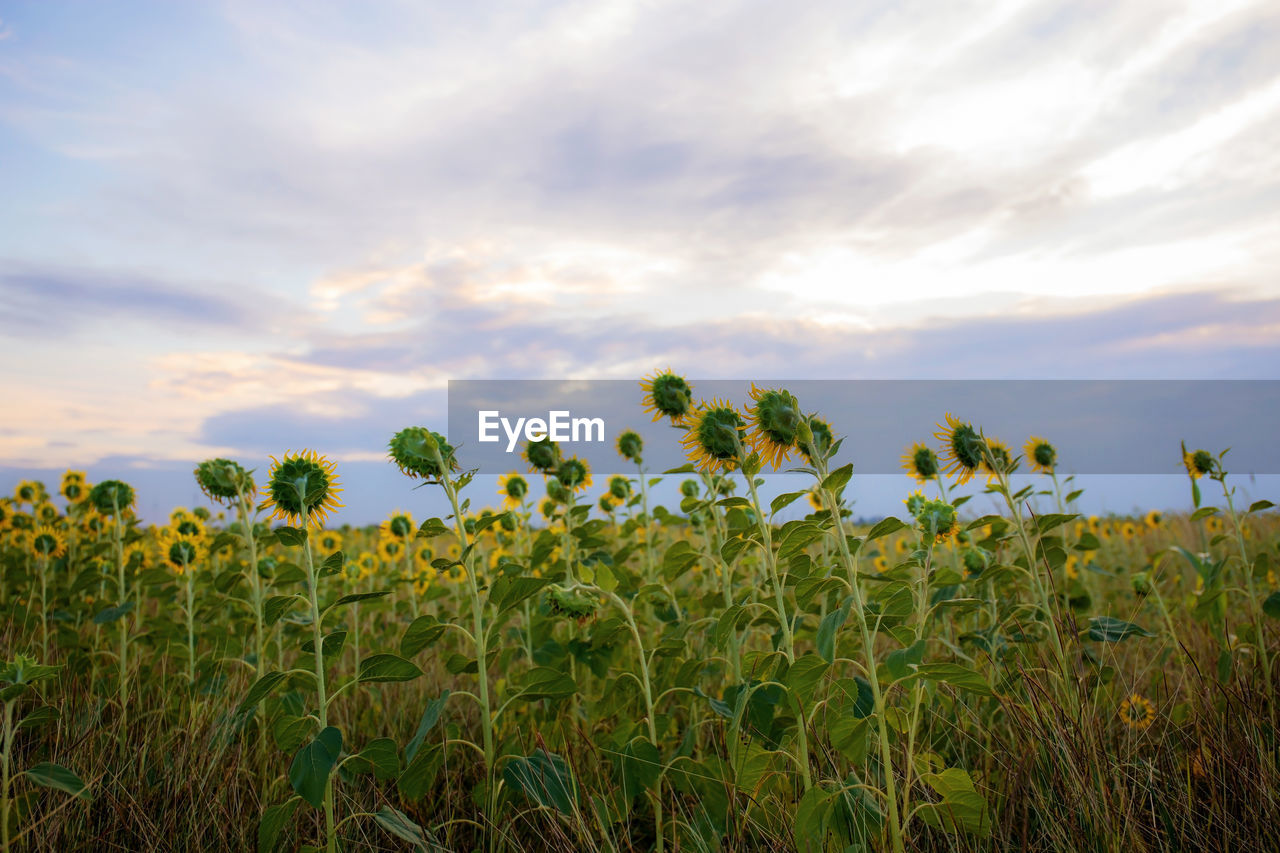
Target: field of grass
598,673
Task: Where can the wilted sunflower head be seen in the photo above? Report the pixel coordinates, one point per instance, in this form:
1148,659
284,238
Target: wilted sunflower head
574,474
513,489
667,396
961,448
302,487
775,423
629,445
997,459
714,435
1198,462
542,455
48,541
419,452
398,525
1041,454
920,463
111,496
224,481
819,440
936,519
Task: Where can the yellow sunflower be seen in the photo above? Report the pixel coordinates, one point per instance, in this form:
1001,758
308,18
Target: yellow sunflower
302,488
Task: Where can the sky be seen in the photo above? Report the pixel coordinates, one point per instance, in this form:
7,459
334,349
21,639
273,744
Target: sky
235,228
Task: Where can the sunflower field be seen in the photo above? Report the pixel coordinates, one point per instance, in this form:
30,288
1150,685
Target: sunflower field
593,671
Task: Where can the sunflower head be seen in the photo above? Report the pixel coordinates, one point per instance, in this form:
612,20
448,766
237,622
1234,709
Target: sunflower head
1154,519
6,513
920,463
629,446
181,550
224,481
46,513
48,541
776,423
419,452
398,525
1041,454
815,439
29,492
667,395
996,459
542,455
391,549
607,503
936,519
1197,462
548,505
1137,712
330,541
619,487
513,489
74,488
302,487
423,554
188,524
573,474
714,436
112,496
367,563
689,488
574,603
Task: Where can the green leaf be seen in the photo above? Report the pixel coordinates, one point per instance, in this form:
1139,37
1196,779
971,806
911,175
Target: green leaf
639,767
430,716
398,824
291,732
312,765
56,776
838,478
545,779
1108,629
1204,512
885,527
330,646
1259,506
431,528
1048,521
39,717
274,819
380,757
332,564
962,807
857,691
783,501
804,674
275,607
291,536
1271,606
686,468
387,667
353,597
420,775
544,682
421,633
110,614
955,675
829,627
507,592
261,689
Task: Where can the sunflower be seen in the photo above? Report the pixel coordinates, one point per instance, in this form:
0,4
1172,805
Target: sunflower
542,455
821,441
48,541
629,445
422,556
667,395
1154,519
962,449
367,563
111,495
391,549
775,421
29,492
607,503
513,489
879,563
714,434
135,555
302,488
181,550
1198,463
815,499
6,513
1129,530
547,508
224,481
620,488
330,541
419,452
188,524
398,525
1137,712
997,459
46,513
920,463
574,474
73,487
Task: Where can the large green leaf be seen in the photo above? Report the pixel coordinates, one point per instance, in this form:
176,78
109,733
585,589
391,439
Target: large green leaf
274,819
56,776
312,765
545,779
1108,629
387,667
